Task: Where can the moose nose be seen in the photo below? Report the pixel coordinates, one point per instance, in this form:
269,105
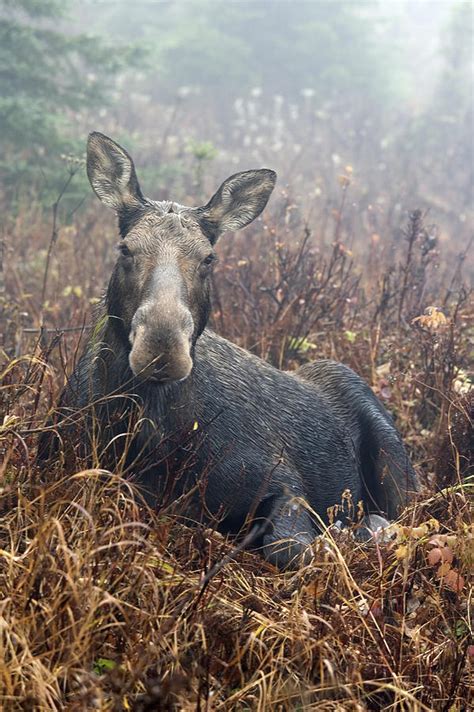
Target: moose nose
161,344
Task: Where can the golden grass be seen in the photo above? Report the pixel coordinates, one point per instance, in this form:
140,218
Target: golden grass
103,607
106,605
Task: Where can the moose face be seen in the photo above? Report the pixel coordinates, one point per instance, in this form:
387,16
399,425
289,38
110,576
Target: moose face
159,293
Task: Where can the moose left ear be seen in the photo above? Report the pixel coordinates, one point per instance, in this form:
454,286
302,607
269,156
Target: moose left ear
240,199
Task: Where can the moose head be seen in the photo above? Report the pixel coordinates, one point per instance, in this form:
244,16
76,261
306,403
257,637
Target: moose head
159,293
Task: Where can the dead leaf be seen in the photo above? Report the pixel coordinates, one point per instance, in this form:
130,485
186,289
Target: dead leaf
432,319
383,369
401,552
443,554
434,557
447,555
344,181
454,581
415,532
443,570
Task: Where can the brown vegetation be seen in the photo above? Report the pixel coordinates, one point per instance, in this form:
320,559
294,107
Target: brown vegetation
107,605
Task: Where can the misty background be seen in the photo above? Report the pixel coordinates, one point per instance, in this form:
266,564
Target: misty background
372,98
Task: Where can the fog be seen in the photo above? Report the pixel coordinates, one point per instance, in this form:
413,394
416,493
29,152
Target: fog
201,88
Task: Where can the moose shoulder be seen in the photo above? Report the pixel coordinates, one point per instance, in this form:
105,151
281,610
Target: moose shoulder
157,390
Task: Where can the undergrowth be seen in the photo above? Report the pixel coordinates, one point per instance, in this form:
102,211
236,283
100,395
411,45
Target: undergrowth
108,605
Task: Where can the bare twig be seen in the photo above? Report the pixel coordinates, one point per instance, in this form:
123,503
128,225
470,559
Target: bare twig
54,238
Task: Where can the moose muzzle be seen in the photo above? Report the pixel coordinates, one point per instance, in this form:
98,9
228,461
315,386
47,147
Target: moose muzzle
161,338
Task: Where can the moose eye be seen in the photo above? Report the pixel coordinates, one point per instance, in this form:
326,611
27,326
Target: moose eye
208,260
124,251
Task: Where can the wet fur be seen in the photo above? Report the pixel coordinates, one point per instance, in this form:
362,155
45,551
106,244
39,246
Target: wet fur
238,441
257,451
387,474
263,438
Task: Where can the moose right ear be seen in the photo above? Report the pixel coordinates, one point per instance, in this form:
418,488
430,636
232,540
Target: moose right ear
112,174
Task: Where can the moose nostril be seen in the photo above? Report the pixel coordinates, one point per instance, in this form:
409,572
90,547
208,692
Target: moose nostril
161,351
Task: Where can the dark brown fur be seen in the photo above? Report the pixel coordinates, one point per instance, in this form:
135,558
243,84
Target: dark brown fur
248,440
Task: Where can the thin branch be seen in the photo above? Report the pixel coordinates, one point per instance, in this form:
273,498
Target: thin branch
53,239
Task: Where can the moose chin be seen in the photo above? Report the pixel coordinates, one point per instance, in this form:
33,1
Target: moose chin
274,450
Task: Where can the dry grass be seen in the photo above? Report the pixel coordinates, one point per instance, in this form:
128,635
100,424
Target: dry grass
106,605
103,607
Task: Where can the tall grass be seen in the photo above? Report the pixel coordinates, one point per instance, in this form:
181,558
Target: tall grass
108,605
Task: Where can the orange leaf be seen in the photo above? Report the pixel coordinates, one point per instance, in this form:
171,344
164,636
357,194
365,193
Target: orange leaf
434,557
447,555
454,581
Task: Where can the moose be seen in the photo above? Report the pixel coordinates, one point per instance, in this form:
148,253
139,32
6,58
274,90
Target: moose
253,445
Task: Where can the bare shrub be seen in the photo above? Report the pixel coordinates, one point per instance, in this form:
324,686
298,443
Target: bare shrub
108,605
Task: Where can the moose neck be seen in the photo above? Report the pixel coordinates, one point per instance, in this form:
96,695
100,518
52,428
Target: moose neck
171,405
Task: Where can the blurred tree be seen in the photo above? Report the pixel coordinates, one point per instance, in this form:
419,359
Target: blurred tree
445,131
48,77
454,92
334,49
455,96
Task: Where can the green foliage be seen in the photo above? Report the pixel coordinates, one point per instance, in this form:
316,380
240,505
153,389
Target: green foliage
202,54
299,344
227,48
202,150
48,79
103,665
38,8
